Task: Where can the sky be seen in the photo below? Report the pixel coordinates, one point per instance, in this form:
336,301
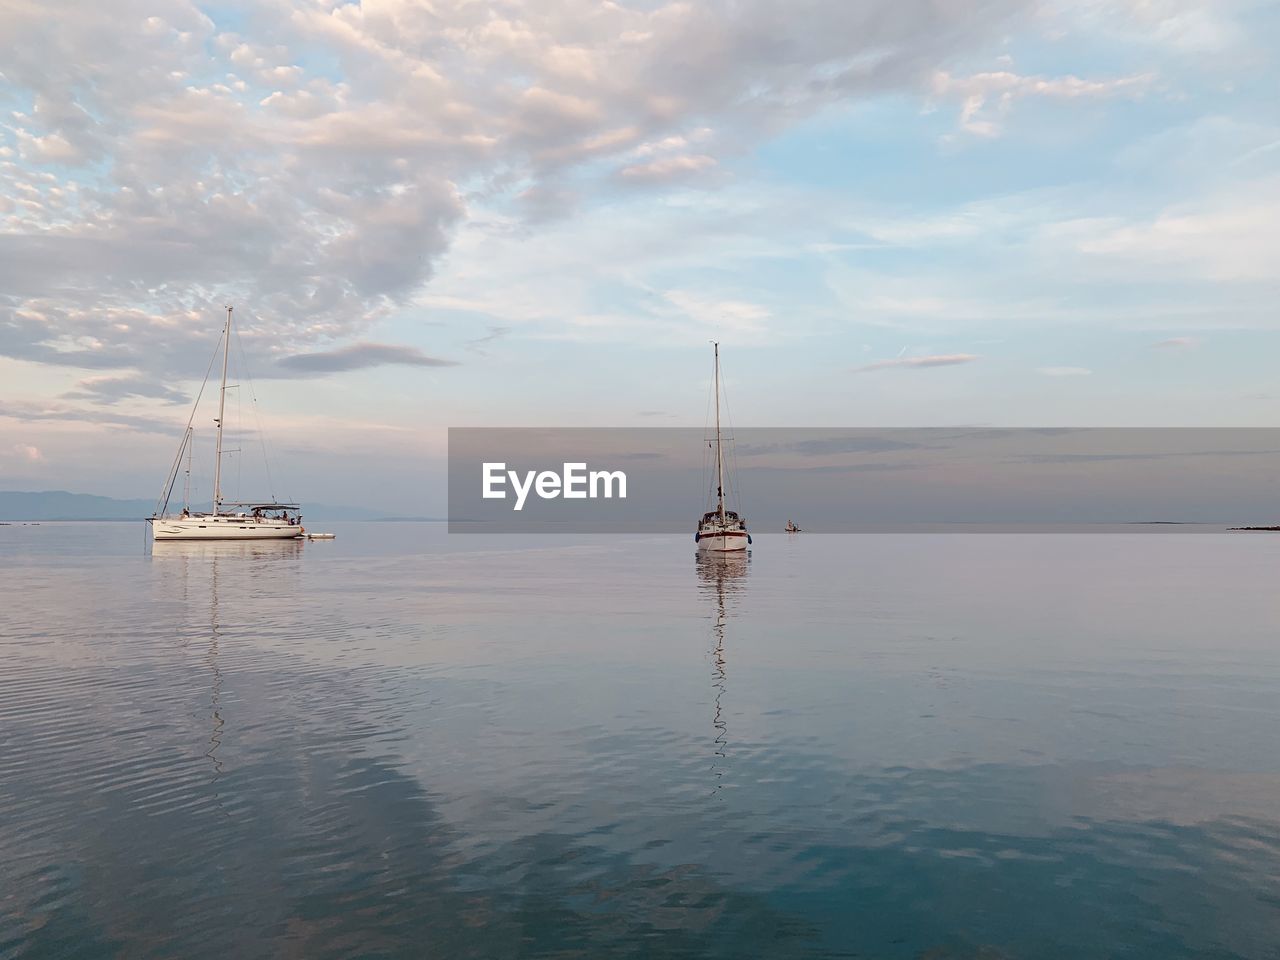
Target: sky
539,212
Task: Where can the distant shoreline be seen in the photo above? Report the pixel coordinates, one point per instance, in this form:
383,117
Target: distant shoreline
31,523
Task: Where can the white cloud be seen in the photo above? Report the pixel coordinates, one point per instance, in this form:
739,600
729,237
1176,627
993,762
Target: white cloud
1189,27
1176,343
316,171
987,98
668,168
934,360
51,148
745,320
27,452
1233,235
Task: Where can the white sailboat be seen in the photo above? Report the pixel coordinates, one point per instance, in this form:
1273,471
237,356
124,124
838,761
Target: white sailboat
268,520
721,530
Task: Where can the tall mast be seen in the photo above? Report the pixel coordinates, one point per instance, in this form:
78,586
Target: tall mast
222,407
186,487
719,452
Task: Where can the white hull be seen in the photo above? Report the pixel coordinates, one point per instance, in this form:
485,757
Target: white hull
223,527
721,531
243,520
719,543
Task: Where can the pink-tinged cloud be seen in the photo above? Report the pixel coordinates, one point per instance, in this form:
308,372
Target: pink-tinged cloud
936,360
1174,343
668,168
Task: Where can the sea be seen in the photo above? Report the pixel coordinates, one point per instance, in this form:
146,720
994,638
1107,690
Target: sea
406,743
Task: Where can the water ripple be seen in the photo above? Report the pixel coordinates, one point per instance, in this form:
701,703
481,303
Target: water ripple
585,750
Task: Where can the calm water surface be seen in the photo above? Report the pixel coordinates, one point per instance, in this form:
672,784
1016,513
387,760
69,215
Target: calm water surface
404,744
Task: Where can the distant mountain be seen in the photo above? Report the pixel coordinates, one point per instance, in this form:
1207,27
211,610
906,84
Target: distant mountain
61,505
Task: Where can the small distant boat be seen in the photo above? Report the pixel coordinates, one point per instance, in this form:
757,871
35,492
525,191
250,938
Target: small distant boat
321,536
791,527
246,521
721,530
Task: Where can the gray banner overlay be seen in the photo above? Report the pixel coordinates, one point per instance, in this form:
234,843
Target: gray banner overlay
832,480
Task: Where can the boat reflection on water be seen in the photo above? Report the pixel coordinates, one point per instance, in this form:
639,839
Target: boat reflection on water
721,577
198,569
209,551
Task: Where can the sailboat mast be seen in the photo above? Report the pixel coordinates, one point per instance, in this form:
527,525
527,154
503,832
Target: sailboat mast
719,451
222,407
186,487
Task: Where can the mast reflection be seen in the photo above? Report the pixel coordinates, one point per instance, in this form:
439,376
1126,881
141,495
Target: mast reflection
211,658
192,564
721,577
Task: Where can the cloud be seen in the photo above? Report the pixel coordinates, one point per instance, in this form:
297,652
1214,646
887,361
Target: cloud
108,389
1065,371
1232,235
357,356
668,168
739,317
314,164
29,412
1176,343
936,360
27,452
1004,88
1187,27
495,333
